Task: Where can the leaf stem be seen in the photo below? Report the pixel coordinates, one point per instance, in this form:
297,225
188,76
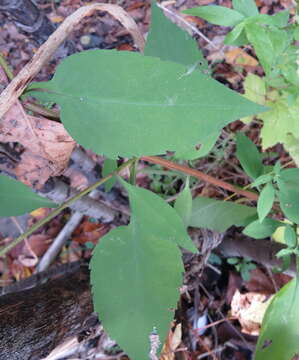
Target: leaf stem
41,110
67,203
133,172
6,67
200,175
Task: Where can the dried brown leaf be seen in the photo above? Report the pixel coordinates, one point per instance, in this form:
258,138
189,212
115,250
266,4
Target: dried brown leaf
249,309
48,146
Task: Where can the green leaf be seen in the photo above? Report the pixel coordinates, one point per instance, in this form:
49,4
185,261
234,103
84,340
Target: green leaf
284,252
291,145
108,167
261,230
246,7
183,204
255,89
124,103
279,122
219,215
296,33
261,180
279,334
233,260
136,272
277,168
245,273
214,259
265,201
288,193
204,149
17,198
218,15
268,42
167,41
279,19
249,156
237,36
290,236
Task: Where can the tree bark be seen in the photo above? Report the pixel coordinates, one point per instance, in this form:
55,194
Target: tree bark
36,320
29,18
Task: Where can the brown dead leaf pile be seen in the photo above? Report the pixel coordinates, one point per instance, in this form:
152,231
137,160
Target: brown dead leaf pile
48,146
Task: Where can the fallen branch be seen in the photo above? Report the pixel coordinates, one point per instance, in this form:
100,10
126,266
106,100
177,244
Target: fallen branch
60,192
17,86
29,331
57,244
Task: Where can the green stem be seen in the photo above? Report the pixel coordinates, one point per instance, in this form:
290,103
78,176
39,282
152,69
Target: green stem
66,204
41,110
133,172
6,67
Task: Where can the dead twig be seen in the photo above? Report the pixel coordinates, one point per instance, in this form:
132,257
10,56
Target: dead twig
200,175
16,87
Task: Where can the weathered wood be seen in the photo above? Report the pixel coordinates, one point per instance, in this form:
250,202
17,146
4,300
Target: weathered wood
34,321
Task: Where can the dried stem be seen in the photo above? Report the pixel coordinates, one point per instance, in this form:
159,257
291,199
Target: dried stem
200,175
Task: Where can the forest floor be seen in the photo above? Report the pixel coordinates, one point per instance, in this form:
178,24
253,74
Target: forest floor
210,321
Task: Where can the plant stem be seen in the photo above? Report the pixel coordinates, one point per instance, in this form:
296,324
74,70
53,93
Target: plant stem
200,175
40,110
67,203
6,67
133,172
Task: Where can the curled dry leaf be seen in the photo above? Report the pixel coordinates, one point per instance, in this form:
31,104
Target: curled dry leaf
174,338
239,57
48,146
249,309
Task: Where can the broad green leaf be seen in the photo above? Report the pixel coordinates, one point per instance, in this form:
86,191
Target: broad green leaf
237,36
17,198
219,215
265,201
279,334
169,42
108,167
204,149
261,230
268,43
218,15
255,89
136,272
290,176
279,19
290,236
249,156
246,7
124,103
288,193
296,33
291,145
280,121
183,204
156,210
